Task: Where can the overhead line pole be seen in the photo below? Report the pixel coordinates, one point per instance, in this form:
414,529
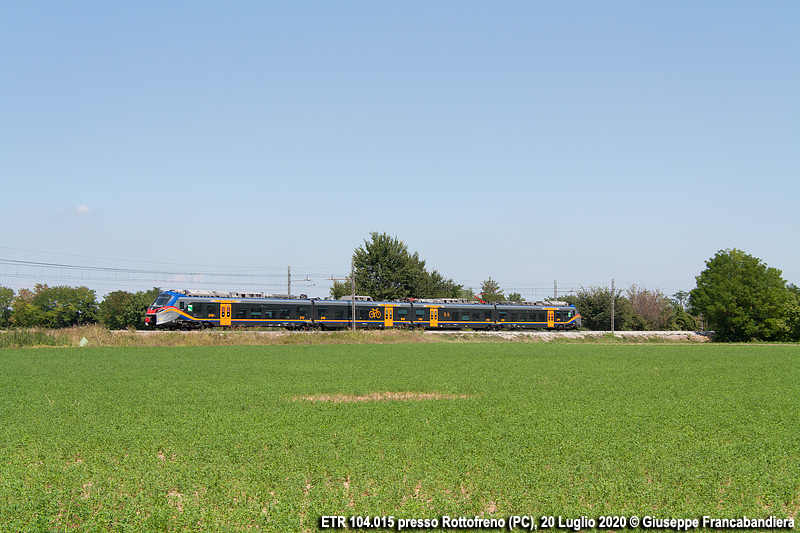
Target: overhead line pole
353,287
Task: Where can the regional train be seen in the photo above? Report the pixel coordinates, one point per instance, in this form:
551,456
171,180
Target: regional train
195,309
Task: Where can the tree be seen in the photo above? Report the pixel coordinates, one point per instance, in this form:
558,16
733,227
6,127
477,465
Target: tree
111,309
793,313
741,298
63,306
340,288
135,308
25,314
514,297
491,292
6,310
385,270
680,307
54,307
434,285
652,310
594,305
122,309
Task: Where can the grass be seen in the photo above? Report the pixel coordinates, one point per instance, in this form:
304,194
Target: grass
249,437
99,336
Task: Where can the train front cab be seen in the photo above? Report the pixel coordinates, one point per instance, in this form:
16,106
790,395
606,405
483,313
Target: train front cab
163,312
515,316
563,318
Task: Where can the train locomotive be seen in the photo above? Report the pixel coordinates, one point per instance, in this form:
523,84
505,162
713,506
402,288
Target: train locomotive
196,309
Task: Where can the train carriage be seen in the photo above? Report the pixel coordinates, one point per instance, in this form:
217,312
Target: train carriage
337,314
537,315
200,309
464,316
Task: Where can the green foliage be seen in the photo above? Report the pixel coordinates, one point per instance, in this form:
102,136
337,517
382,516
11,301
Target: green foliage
54,307
111,309
122,309
741,298
340,288
792,313
135,310
434,285
466,293
684,321
491,291
385,270
514,297
594,305
23,312
6,309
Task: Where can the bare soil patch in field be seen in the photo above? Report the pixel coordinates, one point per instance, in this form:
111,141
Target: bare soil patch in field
381,397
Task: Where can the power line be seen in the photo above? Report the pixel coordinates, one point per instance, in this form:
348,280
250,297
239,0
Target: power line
90,273
192,265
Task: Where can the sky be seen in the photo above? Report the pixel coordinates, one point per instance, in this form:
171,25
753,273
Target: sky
213,145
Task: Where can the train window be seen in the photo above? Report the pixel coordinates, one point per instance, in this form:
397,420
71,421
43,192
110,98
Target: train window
502,316
269,313
420,314
523,317
302,310
401,314
487,315
284,313
476,316
512,317
363,313
240,313
322,311
465,316
162,300
338,314
255,312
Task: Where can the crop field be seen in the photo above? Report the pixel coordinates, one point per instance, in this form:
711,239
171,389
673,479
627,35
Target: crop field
272,438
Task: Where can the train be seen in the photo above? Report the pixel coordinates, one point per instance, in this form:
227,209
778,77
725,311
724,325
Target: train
197,309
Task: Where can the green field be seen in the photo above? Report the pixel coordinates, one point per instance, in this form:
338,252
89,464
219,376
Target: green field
226,437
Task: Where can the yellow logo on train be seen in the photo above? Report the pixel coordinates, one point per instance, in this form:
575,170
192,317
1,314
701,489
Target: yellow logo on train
374,313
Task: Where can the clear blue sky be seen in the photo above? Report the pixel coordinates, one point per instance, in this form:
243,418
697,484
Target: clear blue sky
523,140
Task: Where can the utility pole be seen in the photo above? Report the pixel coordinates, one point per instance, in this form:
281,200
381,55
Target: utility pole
555,289
612,306
288,280
353,287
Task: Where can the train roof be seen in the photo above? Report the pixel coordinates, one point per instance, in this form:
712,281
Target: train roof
197,293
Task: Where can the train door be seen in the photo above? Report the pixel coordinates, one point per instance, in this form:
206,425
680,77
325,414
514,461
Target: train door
225,314
388,317
434,317
551,320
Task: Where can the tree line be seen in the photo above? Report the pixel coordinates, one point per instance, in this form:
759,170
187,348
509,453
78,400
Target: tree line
737,296
62,306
